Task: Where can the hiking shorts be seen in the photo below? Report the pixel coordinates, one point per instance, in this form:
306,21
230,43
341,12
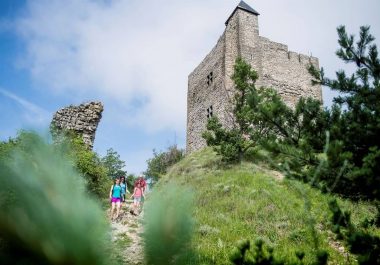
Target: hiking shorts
115,199
137,199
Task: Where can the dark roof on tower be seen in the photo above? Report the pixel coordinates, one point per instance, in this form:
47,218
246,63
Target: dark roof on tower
243,6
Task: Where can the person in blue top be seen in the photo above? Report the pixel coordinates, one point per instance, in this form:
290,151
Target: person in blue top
124,189
115,197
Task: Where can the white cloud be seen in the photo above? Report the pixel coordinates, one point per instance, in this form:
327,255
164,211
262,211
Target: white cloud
136,55
125,51
32,113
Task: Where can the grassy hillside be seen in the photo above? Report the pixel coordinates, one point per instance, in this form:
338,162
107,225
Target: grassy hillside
248,201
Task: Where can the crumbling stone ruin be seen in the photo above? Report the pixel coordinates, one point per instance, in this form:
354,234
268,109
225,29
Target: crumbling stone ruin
82,119
211,90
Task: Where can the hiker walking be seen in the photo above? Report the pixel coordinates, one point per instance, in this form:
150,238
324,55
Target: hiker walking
124,188
138,193
115,197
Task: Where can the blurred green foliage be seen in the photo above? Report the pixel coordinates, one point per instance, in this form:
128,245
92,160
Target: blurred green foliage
168,225
359,241
46,215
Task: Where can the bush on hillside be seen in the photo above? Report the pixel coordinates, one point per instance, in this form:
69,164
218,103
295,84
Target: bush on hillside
161,161
88,164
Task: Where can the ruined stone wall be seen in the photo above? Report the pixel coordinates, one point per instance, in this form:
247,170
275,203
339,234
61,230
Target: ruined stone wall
82,119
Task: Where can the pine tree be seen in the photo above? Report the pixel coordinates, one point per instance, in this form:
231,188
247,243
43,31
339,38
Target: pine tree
355,131
233,143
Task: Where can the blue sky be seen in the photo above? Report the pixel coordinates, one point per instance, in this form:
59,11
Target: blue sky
135,57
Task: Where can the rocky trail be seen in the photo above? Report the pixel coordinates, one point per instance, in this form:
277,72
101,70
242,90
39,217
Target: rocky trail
126,233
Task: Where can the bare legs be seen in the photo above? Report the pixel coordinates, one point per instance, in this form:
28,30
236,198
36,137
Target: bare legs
113,206
136,206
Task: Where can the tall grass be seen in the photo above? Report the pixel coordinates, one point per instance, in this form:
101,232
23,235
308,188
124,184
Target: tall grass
248,201
45,215
168,227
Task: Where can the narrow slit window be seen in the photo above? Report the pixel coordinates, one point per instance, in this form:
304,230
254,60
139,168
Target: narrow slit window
209,112
210,78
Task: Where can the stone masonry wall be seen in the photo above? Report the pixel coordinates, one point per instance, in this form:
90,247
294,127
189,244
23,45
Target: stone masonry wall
286,72
201,95
82,119
232,51
277,67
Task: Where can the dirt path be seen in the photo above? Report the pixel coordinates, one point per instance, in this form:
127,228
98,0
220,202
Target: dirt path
127,234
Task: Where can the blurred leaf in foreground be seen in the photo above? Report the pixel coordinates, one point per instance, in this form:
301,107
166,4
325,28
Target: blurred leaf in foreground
45,215
169,225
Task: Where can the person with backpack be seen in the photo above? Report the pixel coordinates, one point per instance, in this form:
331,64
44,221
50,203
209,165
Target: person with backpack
124,188
115,197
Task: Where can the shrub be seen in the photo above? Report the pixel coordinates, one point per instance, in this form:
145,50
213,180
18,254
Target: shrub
161,161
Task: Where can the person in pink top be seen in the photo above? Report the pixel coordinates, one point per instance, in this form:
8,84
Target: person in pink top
138,193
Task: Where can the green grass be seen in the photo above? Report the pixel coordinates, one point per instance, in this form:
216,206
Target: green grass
247,202
117,254
123,241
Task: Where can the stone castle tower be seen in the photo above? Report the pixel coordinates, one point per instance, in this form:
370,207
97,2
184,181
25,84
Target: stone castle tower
211,90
